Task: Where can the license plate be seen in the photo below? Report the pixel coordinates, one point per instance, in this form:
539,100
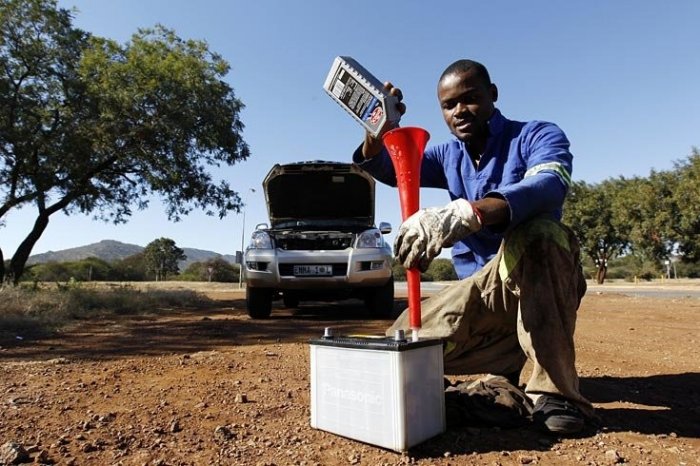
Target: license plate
313,270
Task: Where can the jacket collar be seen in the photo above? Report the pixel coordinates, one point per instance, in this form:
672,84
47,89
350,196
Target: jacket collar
496,123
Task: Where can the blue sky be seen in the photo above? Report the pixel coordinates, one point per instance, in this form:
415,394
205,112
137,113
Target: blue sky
619,77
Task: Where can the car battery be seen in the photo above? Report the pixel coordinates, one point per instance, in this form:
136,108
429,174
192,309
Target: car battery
387,392
361,95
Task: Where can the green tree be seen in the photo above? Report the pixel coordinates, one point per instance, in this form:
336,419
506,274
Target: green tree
590,212
161,257
212,270
685,225
645,209
92,126
195,272
132,268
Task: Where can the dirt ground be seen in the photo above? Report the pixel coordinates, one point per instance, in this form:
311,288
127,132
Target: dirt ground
213,387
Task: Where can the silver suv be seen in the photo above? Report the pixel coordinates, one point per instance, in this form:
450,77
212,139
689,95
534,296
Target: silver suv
321,242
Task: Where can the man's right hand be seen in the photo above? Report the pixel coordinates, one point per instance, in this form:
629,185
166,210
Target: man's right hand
423,235
374,145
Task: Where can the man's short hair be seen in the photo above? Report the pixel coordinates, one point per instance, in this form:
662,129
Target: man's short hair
464,65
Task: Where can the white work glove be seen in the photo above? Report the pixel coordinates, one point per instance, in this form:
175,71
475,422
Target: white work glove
423,235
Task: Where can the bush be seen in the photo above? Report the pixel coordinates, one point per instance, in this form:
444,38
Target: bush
132,268
687,269
48,272
442,270
399,271
221,271
628,267
90,269
439,270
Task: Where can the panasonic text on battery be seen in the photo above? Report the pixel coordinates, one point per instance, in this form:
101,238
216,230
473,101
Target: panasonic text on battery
347,394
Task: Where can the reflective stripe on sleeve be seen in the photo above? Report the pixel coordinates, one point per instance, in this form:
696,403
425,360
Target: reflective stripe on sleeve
555,167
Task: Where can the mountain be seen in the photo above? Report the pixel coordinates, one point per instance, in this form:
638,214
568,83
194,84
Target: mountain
110,250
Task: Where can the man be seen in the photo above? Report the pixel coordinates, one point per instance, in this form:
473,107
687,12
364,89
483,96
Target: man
521,280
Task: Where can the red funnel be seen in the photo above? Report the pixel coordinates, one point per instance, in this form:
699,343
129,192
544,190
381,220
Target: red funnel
406,146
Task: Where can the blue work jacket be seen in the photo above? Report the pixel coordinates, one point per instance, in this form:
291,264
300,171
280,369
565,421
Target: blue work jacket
526,163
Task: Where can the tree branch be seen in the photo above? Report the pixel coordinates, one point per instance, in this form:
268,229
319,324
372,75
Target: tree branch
15,201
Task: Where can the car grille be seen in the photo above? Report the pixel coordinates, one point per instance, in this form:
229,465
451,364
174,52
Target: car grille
314,243
339,270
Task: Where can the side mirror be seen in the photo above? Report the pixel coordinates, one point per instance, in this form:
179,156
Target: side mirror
385,227
261,226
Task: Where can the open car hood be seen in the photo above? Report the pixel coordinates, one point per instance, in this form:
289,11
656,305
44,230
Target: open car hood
318,194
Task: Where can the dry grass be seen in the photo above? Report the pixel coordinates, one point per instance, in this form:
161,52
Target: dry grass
42,309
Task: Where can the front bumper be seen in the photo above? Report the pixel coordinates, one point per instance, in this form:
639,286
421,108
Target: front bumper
351,268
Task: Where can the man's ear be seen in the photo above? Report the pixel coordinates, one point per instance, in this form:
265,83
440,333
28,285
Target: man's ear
494,92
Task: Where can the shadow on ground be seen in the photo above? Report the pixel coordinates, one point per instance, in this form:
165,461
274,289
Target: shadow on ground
191,330
659,404
665,405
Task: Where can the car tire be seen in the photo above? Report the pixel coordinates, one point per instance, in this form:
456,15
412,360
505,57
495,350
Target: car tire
290,301
259,302
380,300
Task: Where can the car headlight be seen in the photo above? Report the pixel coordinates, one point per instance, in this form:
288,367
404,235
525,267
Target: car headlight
260,240
370,239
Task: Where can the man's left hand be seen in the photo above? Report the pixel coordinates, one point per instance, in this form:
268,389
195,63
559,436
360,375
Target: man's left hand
423,235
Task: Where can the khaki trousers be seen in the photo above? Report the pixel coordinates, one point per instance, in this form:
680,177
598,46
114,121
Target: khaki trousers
521,305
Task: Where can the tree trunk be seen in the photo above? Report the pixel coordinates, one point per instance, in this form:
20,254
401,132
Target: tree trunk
2,269
600,276
19,259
